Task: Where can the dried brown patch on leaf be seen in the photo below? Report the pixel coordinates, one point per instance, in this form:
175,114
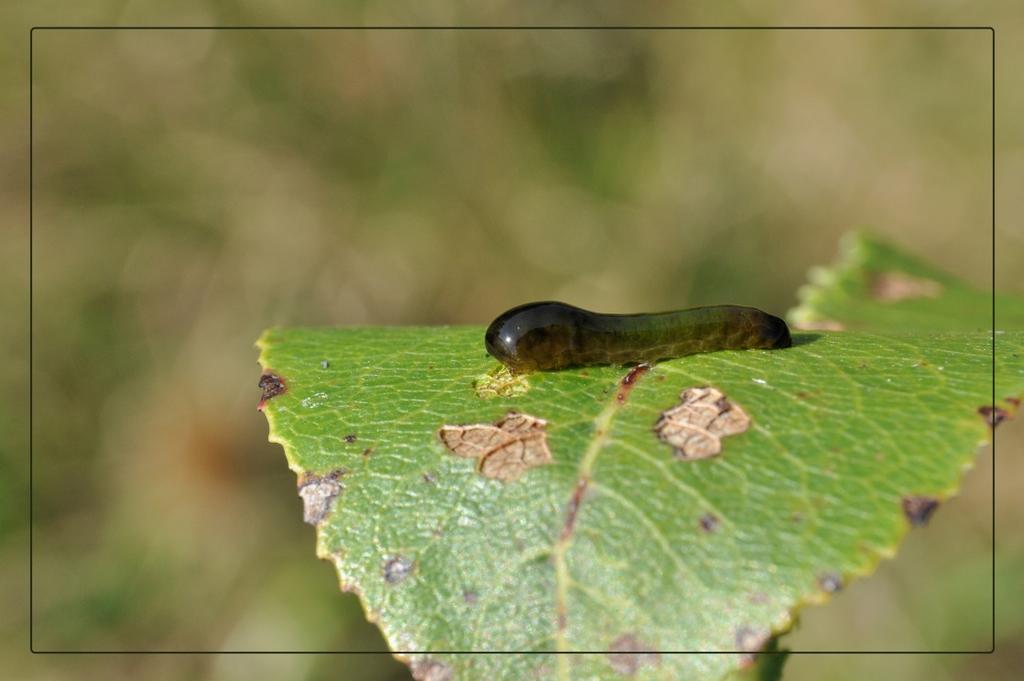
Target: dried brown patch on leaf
318,494
890,287
426,669
272,385
627,654
506,449
696,426
919,509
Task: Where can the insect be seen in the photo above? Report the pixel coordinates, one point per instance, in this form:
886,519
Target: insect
548,335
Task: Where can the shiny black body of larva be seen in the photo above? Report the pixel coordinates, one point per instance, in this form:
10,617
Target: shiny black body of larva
548,336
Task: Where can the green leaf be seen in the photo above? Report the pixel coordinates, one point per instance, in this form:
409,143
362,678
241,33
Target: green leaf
617,544
875,287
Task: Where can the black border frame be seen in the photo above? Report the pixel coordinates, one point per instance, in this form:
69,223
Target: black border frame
407,654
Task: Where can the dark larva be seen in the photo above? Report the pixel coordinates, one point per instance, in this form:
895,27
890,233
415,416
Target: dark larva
548,335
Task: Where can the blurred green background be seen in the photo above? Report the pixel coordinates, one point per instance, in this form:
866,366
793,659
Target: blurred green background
195,187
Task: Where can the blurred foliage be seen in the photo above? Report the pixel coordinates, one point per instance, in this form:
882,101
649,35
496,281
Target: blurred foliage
876,287
193,188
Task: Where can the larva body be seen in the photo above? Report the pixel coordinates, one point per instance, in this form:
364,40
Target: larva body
548,336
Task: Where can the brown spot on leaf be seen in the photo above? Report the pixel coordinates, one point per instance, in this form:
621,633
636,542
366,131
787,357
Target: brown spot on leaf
993,415
830,582
506,449
573,508
397,569
709,522
890,287
367,452
696,426
350,438
629,380
627,654
426,669
429,477
318,494
919,509
750,641
272,385
470,596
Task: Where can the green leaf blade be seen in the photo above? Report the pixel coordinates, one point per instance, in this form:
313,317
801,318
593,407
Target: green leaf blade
843,426
877,287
